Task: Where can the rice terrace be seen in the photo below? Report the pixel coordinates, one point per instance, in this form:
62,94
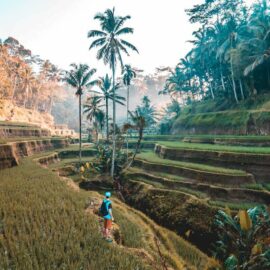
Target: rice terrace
135,135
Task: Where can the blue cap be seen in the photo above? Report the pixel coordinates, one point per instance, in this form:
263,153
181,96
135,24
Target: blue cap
108,194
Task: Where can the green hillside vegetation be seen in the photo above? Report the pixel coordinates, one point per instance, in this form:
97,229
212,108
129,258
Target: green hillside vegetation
153,158
218,148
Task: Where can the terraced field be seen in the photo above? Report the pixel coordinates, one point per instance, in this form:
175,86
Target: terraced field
176,186
201,177
57,205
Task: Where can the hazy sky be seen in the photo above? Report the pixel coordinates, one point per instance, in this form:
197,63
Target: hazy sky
57,29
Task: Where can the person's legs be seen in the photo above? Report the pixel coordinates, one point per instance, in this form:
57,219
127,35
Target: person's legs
107,228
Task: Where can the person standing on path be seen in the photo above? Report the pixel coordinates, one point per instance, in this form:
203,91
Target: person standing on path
106,213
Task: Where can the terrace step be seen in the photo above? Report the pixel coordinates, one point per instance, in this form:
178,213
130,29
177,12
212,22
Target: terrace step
198,172
253,163
257,141
214,192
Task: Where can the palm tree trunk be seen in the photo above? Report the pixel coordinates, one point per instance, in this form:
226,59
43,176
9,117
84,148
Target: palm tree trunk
107,119
80,127
211,89
210,85
137,148
241,88
222,78
114,116
127,117
233,82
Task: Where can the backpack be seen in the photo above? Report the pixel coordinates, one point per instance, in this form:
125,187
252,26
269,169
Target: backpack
104,208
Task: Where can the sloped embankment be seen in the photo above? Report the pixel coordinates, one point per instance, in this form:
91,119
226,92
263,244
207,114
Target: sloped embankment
232,194
174,210
11,153
238,122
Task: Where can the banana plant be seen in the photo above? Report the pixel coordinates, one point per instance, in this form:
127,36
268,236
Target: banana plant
244,240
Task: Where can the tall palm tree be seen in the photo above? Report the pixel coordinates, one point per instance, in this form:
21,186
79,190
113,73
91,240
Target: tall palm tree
111,45
105,85
128,75
92,109
79,77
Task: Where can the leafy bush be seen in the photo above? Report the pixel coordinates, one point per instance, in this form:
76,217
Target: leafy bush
244,240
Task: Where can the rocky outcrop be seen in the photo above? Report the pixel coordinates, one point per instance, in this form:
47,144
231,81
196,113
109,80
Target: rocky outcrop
11,153
256,164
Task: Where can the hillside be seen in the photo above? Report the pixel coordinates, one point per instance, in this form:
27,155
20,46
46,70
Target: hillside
250,117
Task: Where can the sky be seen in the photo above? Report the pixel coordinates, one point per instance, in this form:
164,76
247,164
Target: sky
57,29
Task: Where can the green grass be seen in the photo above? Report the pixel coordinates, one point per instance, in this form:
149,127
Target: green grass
254,186
44,226
218,148
153,158
230,137
233,205
236,120
185,190
132,234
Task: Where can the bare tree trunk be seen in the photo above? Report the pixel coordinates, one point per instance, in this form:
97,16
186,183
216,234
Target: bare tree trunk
233,82
127,118
241,88
222,78
107,119
137,148
211,89
80,127
114,124
210,85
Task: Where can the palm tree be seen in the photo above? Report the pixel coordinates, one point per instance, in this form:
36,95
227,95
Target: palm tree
111,45
105,85
139,123
28,82
94,113
79,77
128,75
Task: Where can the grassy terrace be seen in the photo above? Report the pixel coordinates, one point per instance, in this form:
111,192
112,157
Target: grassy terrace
218,148
43,225
27,139
7,124
252,138
153,158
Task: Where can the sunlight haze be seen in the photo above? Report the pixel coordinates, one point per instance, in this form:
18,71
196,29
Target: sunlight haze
57,29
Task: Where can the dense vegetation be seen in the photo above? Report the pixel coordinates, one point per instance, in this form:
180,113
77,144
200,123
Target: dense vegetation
228,62
20,83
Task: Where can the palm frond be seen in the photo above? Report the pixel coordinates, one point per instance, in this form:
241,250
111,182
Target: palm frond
129,45
125,30
97,43
96,33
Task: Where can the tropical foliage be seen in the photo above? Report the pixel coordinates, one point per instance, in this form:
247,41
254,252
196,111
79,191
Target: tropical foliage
244,240
26,79
79,77
106,93
230,53
111,46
